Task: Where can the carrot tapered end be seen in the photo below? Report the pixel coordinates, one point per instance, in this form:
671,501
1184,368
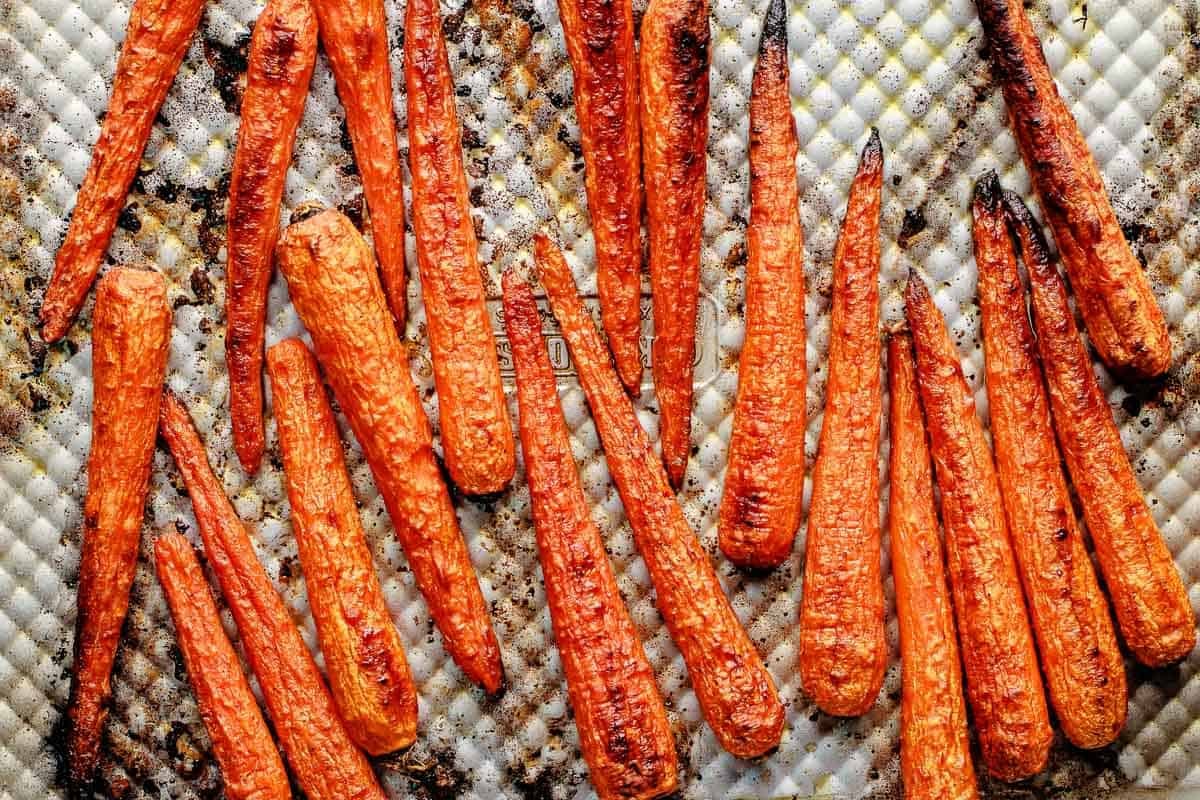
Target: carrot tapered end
988,194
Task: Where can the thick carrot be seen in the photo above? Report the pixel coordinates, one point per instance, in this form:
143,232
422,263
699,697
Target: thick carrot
282,52
364,657
843,650
1123,319
599,36
935,756
764,482
674,84
736,693
314,739
334,286
1081,661
250,765
1003,683
1152,606
131,332
622,723
156,40
477,438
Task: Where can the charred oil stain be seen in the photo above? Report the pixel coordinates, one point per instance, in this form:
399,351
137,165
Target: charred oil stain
353,208
228,64
913,225
433,778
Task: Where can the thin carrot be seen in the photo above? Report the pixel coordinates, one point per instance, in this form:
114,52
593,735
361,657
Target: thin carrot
283,50
1152,606
736,693
131,332
364,657
156,40
843,650
324,760
332,279
1003,683
250,765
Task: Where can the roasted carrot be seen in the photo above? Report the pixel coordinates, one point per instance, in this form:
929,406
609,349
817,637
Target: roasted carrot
674,84
1152,606
131,332
364,657
250,765
156,40
333,284
314,739
935,756
283,49
764,482
843,650
736,693
1081,661
1003,683
1123,319
599,36
622,722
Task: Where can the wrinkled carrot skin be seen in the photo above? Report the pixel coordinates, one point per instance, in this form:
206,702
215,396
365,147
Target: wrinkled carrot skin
332,279
364,656
1081,662
1004,685
764,483
1122,316
250,765
131,333
843,649
935,754
599,36
674,84
477,437
283,50
156,41
1151,604
355,36
314,740
737,696
623,729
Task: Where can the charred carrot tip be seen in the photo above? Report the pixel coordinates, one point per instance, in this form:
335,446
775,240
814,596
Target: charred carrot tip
774,33
872,154
988,193
1036,252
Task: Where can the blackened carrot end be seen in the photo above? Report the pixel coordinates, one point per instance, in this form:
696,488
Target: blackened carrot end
872,154
774,32
1035,252
988,193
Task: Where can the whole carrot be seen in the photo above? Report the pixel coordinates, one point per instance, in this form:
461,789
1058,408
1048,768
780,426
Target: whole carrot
314,739
364,657
156,40
250,764
764,482
1081,661
622,723
333,283
736,693
843,652
477,435
1003,682
282,52
131,332
1151,603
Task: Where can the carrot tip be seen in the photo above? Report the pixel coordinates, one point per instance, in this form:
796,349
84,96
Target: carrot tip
774,33
1021,220
988,193
872,154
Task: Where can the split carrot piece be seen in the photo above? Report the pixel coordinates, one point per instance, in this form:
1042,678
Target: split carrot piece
1122,316
477,438
156,41
764,482
1004,686
131,334
364,657
674,83
319,750
619,712
283,50
250,765
736,693
333,282
1081,661
1152,606
843,649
